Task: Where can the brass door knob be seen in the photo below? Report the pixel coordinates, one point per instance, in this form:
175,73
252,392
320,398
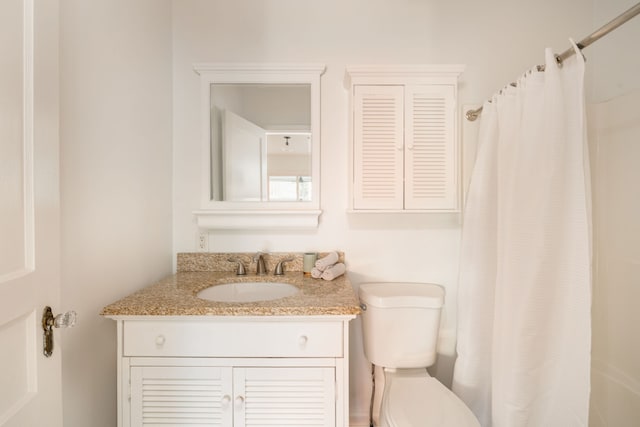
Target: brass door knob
62,320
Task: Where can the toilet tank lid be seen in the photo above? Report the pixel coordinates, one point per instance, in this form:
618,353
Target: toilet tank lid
402,294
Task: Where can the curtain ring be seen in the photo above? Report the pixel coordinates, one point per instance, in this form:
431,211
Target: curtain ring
558,60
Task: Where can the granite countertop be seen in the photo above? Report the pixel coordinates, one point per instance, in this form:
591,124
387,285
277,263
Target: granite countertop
175,295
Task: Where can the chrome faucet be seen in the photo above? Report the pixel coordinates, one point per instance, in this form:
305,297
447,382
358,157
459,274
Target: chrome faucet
261,270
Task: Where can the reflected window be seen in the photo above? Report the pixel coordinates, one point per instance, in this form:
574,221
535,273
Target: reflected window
290,188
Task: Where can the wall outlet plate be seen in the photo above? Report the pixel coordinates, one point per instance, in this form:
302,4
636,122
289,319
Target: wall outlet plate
202,241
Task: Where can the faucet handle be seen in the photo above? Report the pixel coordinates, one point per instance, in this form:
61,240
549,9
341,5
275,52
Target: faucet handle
279,271
241,271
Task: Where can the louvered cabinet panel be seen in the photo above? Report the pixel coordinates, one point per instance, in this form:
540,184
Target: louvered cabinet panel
171,396
404,141
378,145
284,397
430,149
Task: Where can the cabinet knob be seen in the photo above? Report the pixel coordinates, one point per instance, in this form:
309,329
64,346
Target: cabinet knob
160,340
239,401
302,341
226,400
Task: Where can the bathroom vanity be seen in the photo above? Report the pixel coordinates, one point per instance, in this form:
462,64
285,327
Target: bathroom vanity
186,360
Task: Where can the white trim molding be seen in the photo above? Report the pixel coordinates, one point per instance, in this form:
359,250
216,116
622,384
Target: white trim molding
258,219
214,214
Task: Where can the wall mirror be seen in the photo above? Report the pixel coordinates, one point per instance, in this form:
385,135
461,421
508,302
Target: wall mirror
260,145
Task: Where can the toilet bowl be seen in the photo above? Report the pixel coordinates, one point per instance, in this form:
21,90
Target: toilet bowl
413,398
400,323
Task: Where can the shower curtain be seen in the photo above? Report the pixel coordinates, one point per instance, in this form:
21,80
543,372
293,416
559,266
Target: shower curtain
524,296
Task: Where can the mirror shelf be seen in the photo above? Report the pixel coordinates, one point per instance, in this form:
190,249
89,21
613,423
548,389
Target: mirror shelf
247,111
246,219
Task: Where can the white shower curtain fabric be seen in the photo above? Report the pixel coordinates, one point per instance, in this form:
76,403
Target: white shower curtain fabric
524,324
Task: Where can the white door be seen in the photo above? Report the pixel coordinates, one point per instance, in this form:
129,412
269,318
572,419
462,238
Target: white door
378,147
30,383
244,149
302,396
430,166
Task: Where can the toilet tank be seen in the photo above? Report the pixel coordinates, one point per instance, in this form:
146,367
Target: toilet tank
400,323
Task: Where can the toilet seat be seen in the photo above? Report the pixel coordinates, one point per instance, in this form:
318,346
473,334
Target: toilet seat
412,398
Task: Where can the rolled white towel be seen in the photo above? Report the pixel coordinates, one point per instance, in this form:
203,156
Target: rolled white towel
315,273
327,261
334,271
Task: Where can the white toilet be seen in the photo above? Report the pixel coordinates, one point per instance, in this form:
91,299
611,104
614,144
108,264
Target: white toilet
400,323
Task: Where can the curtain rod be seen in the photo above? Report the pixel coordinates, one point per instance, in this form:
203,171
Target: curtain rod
472,115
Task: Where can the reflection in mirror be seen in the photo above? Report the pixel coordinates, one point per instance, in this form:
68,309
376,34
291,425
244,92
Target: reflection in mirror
261,142
289,166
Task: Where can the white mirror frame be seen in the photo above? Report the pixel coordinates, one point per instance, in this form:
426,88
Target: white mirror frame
258,215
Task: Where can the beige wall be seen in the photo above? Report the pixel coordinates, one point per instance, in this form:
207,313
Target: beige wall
613,60
120,61
615,150
615,399
115,137
497,40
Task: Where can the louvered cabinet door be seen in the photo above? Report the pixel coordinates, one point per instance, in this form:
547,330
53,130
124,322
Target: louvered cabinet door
171,396
430,149
378,147
284,397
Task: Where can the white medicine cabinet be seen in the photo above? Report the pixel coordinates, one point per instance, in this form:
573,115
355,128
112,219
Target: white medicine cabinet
404,149
260,146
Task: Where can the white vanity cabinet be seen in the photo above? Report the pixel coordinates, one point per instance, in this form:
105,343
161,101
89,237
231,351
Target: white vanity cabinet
404,147
233,371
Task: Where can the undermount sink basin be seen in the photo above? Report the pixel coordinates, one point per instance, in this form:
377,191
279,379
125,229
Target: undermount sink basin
248,292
